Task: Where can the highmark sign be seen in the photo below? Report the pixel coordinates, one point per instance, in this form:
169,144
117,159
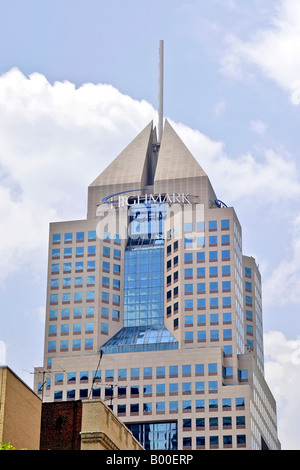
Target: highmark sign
129,200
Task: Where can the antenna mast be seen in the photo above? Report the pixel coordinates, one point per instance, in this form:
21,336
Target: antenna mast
160,90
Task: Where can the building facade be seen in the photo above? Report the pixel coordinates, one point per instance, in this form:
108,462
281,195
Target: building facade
83,425
152,306
20,412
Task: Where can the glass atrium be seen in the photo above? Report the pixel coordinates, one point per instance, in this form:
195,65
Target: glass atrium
144,328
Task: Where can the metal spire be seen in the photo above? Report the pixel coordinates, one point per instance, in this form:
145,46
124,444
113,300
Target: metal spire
160,90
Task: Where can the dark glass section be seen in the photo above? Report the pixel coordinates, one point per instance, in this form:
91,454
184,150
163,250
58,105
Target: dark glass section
144,286
144,328
156,436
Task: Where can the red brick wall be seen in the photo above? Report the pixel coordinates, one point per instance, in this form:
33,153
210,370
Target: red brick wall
61,426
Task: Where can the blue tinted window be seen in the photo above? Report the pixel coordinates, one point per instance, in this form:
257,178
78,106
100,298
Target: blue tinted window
79,266
225,238
213,270
51,345
80,236
200,271
79,251
200,256
201,303
106,250
92,235
52,330
214,334
188,288
199,368
201,335
77,312
68,237
56,253
173,370
200,287
226,285
227,317
53,313
106,266
225,223
188,257
226,269
53,298
186,369
91,264
225,254
91,250
226,301
213,240
248,272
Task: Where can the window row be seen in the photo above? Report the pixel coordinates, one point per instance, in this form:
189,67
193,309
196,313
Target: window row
89,296
185,406
76,345
202,319
159,372
214,442
78,281
199,226
201,304
79,266
212,286
76,328
77,236
81,236
213,335
212,271
214,422
161,389
200,242
79,251
67,282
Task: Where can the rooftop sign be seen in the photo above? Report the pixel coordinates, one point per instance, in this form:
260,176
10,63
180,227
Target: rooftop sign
129,200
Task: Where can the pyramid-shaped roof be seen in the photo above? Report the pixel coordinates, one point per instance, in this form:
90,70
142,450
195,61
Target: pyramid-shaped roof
175,160
130,166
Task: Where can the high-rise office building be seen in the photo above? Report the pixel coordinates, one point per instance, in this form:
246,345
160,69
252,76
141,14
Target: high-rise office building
152,306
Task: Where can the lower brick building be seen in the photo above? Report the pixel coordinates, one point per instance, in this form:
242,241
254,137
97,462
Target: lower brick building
83,425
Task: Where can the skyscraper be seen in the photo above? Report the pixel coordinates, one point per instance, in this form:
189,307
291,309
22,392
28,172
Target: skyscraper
152,306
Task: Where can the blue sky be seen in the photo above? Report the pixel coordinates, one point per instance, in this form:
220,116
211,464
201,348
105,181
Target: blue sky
79,80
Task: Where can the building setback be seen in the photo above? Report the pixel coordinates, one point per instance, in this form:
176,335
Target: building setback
152,306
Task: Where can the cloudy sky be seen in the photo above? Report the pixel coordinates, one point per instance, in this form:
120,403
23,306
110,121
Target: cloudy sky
79,80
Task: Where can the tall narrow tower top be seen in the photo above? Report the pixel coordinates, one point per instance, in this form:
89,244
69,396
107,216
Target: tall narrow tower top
160,90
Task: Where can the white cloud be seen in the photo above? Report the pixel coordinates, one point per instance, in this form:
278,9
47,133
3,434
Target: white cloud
282,375
273,50
283,284
271,180
54,140
258,126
